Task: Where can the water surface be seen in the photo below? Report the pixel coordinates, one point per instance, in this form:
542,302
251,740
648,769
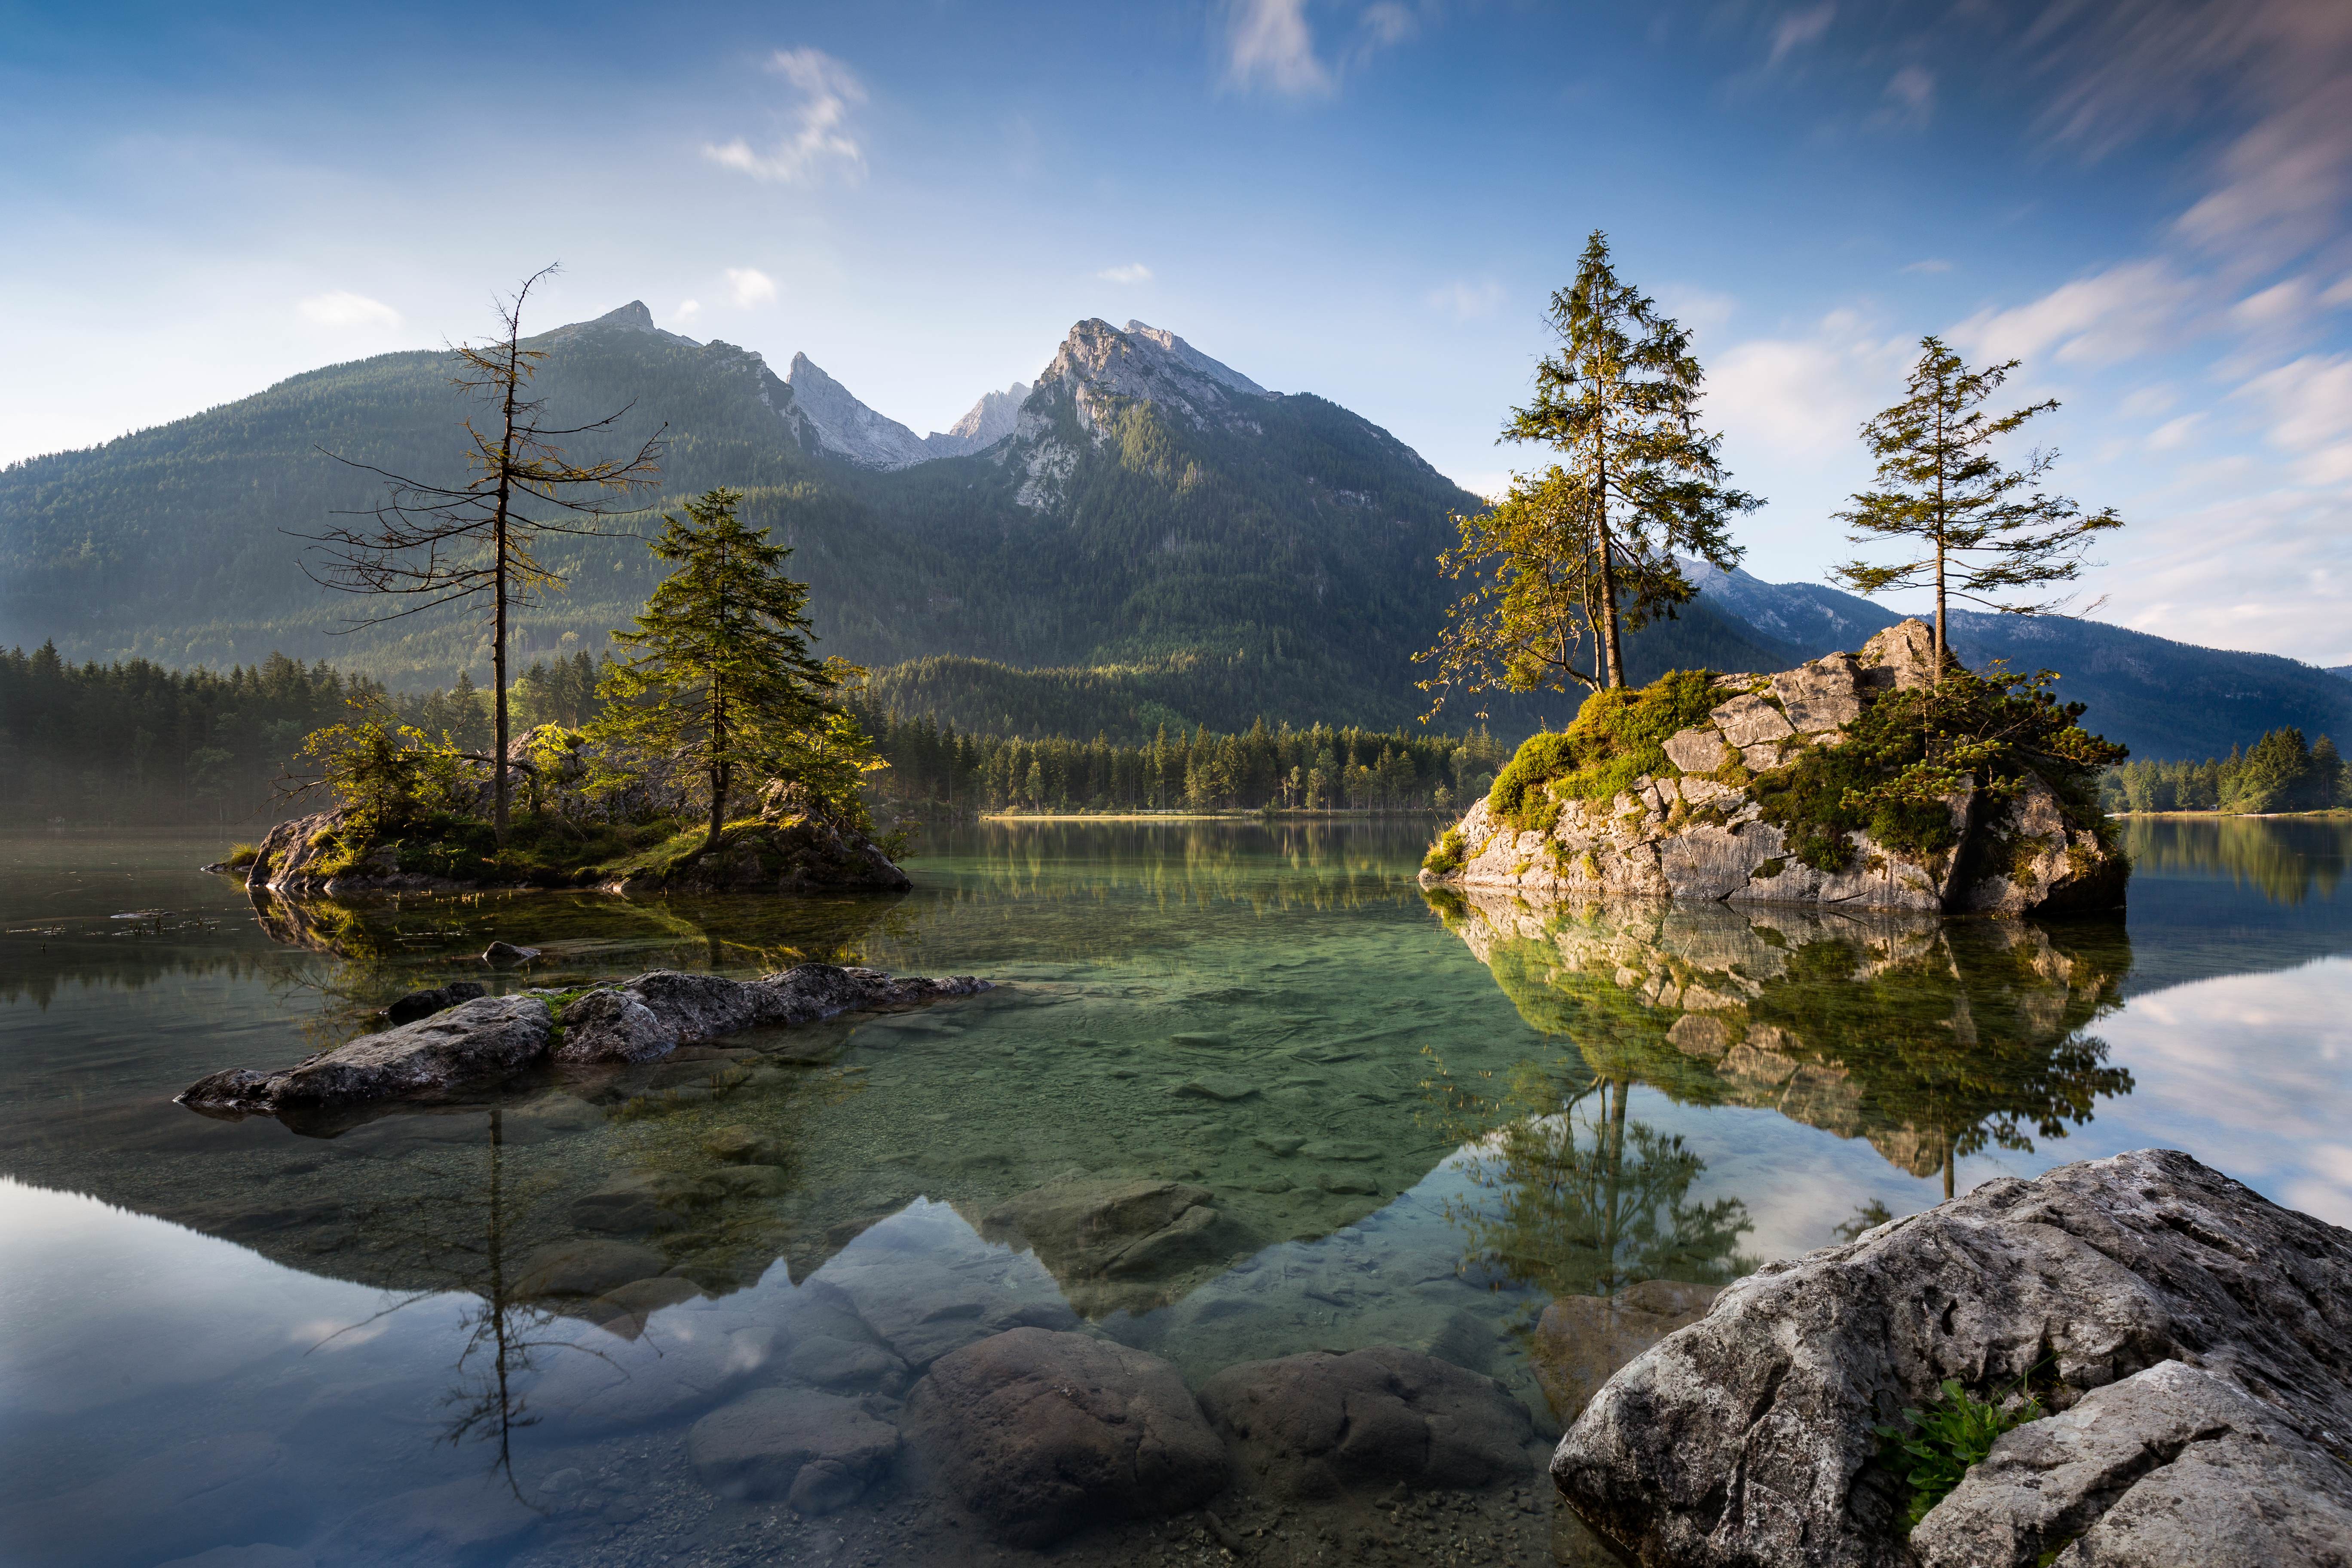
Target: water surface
1420,1122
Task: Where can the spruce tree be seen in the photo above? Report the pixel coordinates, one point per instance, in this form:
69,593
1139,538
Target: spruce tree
722,681
1589,547
1984,531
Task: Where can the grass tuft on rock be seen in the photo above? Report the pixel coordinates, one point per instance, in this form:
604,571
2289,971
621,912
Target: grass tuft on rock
1935,1447
1616,737
1445,856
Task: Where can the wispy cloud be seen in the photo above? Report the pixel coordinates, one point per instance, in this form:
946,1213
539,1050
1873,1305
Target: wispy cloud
1932,264
341,308
1465,298
819,136
1796,30
748,286
1270,44
1908,99
687,310
1132,272
2099,319
2309,405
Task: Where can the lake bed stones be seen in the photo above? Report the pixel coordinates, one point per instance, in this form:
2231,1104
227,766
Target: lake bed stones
1039,1434
1316,1425
816,1452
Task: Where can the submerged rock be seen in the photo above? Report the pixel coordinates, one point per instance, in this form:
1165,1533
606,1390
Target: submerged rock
1695,829
1039,1434
1111,1243
815,1451
2197,1337
651,1015
1581,1340
1311,1425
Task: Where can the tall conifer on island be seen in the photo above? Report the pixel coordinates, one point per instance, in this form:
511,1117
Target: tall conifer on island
442,544
722,682
1982,531
1588,545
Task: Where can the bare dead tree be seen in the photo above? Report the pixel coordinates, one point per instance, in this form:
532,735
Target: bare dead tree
434,544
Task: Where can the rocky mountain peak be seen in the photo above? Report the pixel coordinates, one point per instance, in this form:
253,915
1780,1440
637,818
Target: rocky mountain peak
1099,361
632,317
847,427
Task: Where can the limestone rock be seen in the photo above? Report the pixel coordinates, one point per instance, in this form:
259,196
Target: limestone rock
2171,1466
1039,1434
1686,834
474,1044
424,1003
507,953
816,1451
1311,1425
1747,1438
613,1027
1696,751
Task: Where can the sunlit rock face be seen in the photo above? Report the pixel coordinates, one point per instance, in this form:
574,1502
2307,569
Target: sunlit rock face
1930,1038
2191,1334
1696,831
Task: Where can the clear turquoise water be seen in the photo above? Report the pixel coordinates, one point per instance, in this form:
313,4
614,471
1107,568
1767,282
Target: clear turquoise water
1429,1120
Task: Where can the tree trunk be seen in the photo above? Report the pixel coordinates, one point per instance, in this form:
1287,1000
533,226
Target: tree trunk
718,805
499,585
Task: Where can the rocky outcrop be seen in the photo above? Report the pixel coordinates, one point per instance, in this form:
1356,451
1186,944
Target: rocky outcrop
797,854
477,1042
2194,1339
1696,831
480,1043
1040,1433
1313,1424
645,1018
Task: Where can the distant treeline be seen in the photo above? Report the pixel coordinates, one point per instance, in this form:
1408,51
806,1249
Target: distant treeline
2278,772
933,769
138,742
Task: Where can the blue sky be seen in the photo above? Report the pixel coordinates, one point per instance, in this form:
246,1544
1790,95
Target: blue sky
1369,200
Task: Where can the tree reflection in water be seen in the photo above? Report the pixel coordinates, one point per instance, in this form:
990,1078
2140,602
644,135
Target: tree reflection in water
1574,1198
1931,1039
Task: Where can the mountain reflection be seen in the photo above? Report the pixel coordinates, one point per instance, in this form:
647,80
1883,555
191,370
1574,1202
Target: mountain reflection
1930,1038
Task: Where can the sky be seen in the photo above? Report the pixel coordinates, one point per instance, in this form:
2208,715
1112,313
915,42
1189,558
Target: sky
2145,203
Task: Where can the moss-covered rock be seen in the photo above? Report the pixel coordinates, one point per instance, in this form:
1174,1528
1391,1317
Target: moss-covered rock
1857,779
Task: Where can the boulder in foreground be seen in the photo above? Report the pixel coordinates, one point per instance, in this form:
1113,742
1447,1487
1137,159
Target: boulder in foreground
1041,1433
2195,1339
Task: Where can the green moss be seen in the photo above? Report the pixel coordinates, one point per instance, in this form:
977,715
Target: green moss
1617,737
1445,857
1770,868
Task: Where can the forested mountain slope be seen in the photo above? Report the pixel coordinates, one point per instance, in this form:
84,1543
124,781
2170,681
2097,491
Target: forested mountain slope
1159,535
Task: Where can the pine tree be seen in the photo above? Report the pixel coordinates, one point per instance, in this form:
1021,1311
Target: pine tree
721,681
1985,531
1588,547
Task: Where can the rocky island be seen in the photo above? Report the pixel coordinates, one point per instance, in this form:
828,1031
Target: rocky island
480,1043
1858,779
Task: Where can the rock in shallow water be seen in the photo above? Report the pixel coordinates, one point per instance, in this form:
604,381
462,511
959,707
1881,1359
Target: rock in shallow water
1039,1434
477,1042
1310,1425
816,1451
424,1003
2203,1333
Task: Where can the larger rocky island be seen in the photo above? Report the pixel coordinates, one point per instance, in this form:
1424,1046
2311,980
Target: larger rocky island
1737,788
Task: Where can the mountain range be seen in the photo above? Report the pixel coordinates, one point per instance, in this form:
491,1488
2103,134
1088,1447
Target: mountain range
1141,535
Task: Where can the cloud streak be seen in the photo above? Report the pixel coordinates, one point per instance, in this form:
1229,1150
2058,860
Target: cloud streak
343,310
819,138
1132,272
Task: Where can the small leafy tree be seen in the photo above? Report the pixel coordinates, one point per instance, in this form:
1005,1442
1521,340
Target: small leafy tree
1588,546
1984,531
721,681
383,772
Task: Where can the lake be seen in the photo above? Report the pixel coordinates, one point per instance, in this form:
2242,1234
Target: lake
1411,1121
